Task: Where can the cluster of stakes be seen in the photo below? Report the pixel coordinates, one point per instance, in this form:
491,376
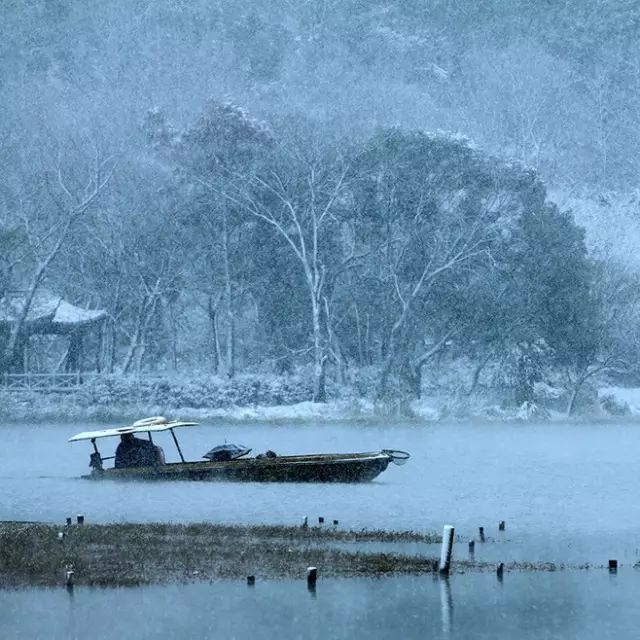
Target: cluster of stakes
312,578
312,572
68,523
447,548
305,522
69,572
444,565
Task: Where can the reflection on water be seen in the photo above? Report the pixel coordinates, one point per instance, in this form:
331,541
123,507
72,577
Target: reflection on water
585,605
568,493
446,604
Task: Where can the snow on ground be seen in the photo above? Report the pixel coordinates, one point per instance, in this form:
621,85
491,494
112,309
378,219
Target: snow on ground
424,408
623,396
300,412
614,402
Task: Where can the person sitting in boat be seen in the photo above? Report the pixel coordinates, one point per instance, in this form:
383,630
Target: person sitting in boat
136,452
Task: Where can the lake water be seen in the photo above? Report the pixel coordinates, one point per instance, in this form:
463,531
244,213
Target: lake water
542,606
567,492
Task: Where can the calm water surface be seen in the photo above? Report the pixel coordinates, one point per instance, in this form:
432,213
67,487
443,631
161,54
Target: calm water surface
585,605
567,492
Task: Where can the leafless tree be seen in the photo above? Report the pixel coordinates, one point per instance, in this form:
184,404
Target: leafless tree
301,207
46,235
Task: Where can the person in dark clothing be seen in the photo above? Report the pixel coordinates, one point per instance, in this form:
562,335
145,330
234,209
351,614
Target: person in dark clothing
135,452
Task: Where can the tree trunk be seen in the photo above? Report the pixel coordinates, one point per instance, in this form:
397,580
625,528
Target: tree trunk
231,365
367,341
383,382
135,341
150,312
25,356
213,318
572,399
417,381
100,348
113,345
413,376
319,391
388,364
137,346
580,380
74,353
359,334
174,336
475,378
334,345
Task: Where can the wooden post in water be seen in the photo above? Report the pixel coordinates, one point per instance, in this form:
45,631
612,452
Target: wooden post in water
500,571
68,576
481,532
305,522
446,549
80,518
312,577
251,581
320,520
501,525
68,521
613,566
472,547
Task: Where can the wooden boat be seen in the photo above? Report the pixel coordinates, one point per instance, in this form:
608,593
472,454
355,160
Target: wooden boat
322,467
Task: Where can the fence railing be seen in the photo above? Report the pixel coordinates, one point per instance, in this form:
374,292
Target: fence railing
44,381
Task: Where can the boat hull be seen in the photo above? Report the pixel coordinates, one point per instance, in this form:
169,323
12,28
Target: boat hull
357,467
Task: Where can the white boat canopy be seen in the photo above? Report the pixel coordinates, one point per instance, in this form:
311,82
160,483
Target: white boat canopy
147,425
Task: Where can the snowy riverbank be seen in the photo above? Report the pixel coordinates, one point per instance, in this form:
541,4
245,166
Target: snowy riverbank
253,399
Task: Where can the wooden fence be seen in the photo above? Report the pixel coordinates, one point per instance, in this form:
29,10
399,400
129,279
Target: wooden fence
44,381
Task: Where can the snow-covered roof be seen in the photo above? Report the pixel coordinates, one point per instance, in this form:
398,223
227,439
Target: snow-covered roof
47,312
69,314
43,306
141,426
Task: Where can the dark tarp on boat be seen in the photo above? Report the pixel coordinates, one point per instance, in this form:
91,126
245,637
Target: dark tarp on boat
226,452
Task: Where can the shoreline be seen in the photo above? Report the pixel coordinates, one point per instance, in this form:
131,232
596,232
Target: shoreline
252,398
39,408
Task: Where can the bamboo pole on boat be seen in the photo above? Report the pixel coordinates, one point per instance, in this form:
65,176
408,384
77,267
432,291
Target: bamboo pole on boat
177,445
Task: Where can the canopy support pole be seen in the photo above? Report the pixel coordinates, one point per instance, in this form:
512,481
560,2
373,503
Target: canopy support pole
177,445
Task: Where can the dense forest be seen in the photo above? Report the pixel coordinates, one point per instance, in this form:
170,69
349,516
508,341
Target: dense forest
374,193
